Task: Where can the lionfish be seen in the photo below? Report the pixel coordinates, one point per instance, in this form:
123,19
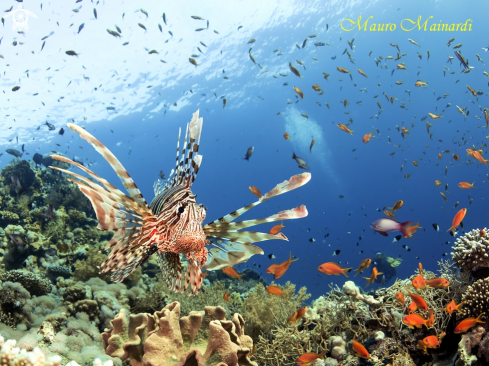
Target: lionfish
172,224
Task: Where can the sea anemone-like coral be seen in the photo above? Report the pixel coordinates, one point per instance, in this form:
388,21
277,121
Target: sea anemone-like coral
198,339
477,298
471,251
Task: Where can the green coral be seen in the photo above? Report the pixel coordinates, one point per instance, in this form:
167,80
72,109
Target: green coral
263,311
31,282
87,268
9,216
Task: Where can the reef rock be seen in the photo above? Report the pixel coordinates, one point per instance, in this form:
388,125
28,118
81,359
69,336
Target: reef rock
201,338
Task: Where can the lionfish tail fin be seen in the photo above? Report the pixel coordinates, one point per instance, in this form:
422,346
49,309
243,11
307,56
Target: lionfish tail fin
123,175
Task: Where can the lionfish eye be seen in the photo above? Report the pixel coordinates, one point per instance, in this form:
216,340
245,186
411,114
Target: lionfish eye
181,209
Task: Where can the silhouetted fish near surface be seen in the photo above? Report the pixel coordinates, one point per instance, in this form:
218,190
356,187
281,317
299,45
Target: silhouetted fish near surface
50,126
61,131
72,53
249,152
14,152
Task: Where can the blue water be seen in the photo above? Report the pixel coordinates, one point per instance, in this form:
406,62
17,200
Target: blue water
369,178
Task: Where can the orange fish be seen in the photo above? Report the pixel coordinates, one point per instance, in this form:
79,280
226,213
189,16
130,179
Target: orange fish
412,308
400,297
231,272
360,350
283,267
331,268
404,130
440,156
454,307
457,219
272,268
363,266
344,128
275,290
373,277
420,303
419,281
431,341
438,282
411,230
309,357
389,213
477,155
367,137
482,232
431,318
255,191
456,157
298,315
274,230
415,320
466,185
423,346
468,323
397,205
286,136
226,297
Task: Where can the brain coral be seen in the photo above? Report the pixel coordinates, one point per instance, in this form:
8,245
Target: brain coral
477,298
471,251
201,338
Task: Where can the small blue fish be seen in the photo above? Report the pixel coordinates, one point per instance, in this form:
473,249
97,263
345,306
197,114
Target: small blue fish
81,27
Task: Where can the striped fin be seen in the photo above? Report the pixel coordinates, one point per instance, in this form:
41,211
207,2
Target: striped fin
295,213
133,223
123,175
227,253
194,277
187,163
112,193
171,269
294,182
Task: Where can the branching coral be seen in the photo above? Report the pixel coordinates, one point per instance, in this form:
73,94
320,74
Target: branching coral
263,311
13,356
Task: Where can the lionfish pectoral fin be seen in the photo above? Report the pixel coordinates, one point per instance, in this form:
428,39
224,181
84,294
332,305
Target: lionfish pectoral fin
294,182
227,253
294,213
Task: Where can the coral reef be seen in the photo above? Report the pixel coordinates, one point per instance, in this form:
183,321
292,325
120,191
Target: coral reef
476,298
471,251
201,338
14,356
30,281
